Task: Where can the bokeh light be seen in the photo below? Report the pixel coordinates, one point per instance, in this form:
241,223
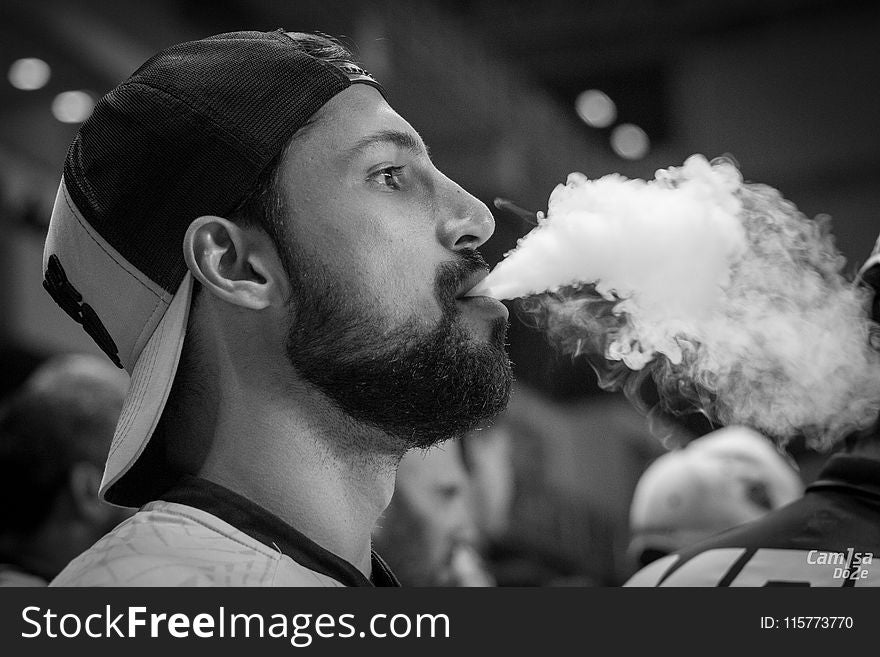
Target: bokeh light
72,106
595,108
29,73
630,141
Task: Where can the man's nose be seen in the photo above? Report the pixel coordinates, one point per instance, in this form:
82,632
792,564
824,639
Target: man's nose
466,222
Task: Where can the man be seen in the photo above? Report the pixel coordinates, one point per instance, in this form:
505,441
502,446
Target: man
829,537
250,229
54,433
726,478
428,533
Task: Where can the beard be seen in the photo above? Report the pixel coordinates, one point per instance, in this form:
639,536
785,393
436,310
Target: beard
419,386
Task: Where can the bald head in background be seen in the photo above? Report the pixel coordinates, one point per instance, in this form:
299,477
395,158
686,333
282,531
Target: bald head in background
726,478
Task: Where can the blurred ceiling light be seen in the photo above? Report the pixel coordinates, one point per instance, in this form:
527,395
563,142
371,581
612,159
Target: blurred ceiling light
595,108
630,141
29,73
72,106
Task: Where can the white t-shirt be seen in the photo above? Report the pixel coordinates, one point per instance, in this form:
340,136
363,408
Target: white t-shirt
171,543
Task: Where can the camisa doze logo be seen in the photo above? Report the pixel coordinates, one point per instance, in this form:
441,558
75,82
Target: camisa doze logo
847,565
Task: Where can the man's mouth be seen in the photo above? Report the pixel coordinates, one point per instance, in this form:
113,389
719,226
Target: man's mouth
482,304
469,283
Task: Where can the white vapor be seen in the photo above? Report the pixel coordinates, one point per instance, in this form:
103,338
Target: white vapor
722,291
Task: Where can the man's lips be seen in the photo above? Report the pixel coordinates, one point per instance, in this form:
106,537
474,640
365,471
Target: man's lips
482,304
470,283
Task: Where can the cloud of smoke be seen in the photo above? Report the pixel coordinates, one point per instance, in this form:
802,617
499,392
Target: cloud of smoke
732,300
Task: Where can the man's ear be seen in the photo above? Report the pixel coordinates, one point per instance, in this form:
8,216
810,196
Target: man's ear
238,264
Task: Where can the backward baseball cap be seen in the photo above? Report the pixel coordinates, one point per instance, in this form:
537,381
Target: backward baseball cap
187,135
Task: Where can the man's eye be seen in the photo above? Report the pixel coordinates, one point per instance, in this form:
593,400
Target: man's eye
388,177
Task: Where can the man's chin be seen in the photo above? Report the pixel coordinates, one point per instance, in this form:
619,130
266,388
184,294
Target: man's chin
499,334
418,388
482,331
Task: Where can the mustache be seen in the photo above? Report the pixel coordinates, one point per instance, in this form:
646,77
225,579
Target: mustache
452,275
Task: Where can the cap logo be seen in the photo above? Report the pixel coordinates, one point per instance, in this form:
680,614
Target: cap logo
70,300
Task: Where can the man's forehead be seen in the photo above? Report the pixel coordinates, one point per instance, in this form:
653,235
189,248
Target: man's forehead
356,118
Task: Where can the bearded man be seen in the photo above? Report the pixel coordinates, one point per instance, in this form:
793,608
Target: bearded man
249,228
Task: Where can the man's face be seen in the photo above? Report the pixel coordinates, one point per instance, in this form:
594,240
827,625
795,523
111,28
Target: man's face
429,521
381,248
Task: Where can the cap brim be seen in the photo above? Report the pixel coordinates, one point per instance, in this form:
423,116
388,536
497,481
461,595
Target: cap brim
151,381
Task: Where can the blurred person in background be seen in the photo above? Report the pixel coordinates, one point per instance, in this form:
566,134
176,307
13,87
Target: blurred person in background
488,457
54,436
551,485
726,478
428,533
18,364
829,537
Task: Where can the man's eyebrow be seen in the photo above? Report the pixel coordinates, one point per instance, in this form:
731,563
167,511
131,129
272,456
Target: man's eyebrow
404,140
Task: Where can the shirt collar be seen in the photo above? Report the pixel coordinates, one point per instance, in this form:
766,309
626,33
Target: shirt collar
269,529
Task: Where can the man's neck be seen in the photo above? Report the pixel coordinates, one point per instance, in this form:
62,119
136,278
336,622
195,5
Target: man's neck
301,459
